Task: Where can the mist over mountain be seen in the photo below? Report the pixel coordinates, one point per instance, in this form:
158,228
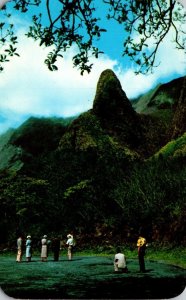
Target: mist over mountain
163,96
119,165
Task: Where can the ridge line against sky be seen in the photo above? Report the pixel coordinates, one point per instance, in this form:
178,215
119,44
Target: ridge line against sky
29,88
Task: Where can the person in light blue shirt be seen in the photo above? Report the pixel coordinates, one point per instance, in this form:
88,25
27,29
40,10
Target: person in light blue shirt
28,248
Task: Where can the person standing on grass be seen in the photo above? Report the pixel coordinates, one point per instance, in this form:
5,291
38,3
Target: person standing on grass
141,244
19,248
120,262
44,252
28,248
56,248
70,244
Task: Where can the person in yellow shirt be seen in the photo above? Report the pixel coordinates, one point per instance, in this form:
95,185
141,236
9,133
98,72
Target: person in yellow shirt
141,244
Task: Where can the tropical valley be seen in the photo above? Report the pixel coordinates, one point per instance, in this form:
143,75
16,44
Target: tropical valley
103,175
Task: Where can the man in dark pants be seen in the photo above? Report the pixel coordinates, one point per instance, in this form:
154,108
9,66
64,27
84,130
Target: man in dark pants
56,248
141,244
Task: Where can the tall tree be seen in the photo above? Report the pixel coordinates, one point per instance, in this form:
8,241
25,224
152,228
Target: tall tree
75,22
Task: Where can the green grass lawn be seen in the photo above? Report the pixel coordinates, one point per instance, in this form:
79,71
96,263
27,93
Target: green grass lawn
169,255
89,276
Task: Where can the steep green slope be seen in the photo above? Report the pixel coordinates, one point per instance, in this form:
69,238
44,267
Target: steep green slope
39,135
10,155
175,148
34,137
141,103
178,126
5,138
163,96
98,174
115,112
162,113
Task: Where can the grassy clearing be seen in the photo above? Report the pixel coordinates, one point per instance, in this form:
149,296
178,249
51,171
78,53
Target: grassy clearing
169,255
175,256
88,276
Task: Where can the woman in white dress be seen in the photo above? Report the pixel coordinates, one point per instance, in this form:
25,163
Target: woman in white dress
44,243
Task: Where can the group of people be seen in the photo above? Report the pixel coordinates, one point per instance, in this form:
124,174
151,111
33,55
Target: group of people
120,264
55,244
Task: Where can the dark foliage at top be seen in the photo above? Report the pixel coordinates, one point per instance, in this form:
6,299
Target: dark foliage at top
70,23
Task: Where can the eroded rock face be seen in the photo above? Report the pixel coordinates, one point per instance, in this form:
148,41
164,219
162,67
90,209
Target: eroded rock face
115,111
110,100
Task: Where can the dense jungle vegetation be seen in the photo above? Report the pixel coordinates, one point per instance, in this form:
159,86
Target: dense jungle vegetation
102,175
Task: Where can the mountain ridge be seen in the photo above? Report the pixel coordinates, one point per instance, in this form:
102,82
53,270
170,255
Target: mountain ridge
101,169
163,96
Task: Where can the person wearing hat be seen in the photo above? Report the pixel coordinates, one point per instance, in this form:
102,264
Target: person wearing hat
28,248
70,244
44,253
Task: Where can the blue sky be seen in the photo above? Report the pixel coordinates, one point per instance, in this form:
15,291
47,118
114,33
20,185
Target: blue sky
29,88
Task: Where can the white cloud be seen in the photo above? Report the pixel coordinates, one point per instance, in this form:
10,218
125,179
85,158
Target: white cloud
182,2
29,88
172,64
3,2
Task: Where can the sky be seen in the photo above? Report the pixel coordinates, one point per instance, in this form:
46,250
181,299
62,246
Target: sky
28,88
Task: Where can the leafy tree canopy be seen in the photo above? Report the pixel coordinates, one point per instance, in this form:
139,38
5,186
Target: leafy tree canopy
75,22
